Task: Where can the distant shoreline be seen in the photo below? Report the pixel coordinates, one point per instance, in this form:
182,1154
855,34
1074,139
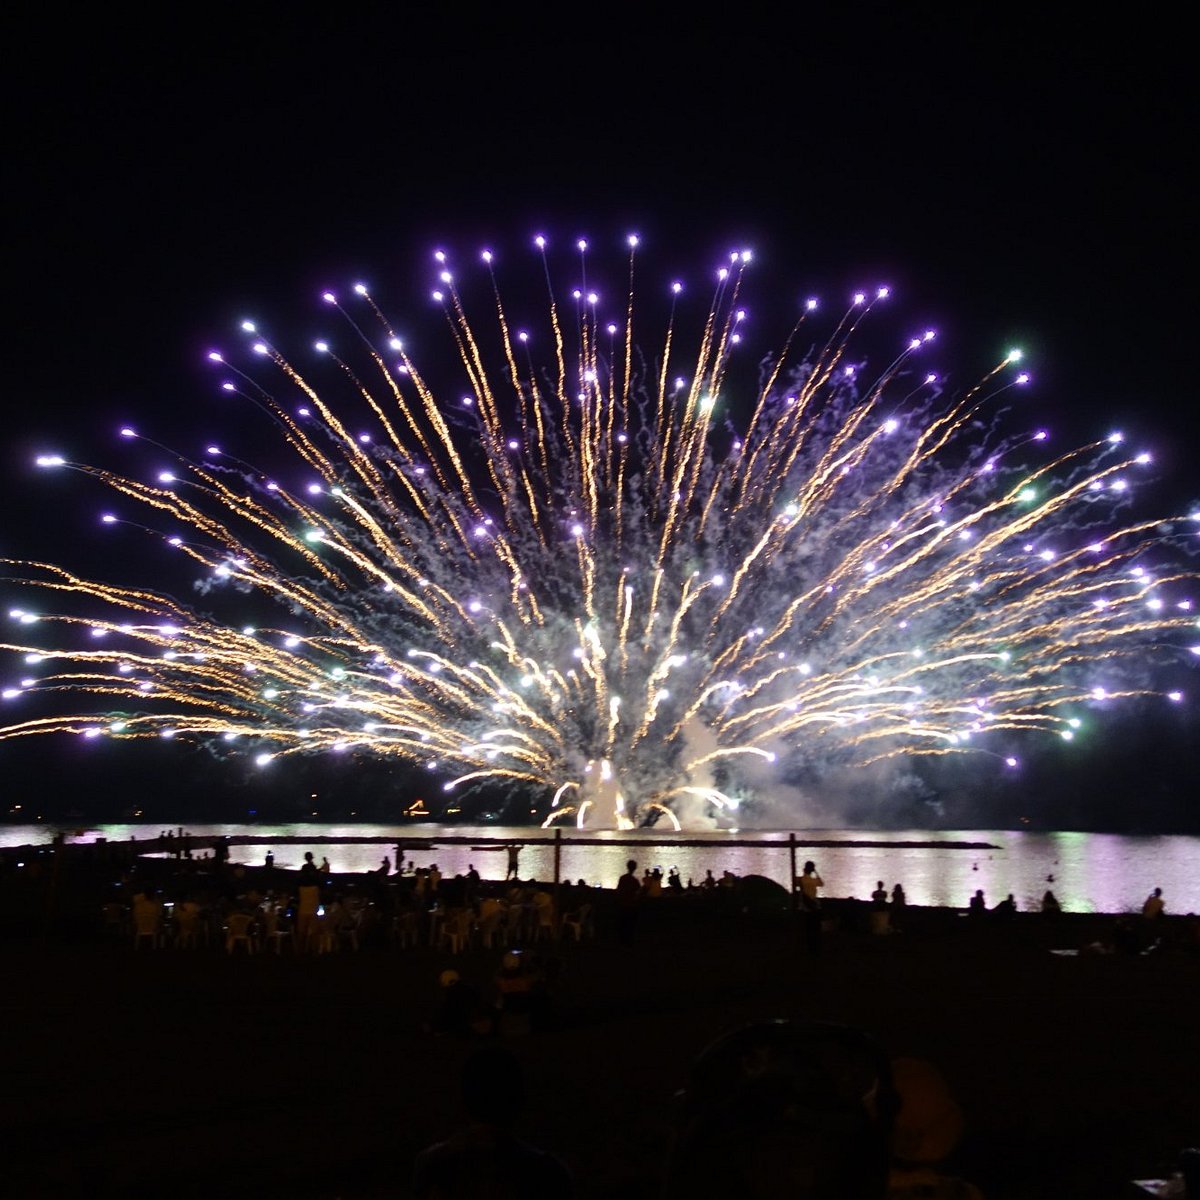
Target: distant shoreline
482,843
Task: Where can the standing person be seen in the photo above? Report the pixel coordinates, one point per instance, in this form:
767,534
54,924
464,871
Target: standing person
899,900
308,901
148,916
809,885
1154,906
881,918
629,902
514,858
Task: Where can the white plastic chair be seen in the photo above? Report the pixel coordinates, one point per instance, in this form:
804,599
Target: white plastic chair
147,925
187,927
239,931
277,930
405,929
543,918
456,930
492,924
579,923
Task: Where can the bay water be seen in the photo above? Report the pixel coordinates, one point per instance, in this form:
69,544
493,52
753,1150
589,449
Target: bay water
1088,872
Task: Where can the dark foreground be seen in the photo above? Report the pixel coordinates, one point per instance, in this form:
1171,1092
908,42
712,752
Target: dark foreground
190,1073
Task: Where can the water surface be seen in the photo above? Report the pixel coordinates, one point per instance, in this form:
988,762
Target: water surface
1088,872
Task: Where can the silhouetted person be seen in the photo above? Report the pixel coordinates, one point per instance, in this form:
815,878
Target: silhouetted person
809,900
629,903
781,1109
1006,908
1050,904
485,1160
514,860
1154,906
881,917
978,906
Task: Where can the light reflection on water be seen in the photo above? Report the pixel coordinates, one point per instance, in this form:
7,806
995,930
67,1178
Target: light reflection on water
1092,872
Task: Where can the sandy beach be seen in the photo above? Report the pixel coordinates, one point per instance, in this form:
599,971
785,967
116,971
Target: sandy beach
195,1073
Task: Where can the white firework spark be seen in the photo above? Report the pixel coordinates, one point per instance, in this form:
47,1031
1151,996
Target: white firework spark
616,582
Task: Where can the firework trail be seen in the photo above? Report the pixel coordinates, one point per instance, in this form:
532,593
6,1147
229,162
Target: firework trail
618,582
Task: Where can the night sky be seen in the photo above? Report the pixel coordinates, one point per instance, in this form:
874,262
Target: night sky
1017,179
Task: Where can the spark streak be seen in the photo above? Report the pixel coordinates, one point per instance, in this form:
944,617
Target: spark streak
593,582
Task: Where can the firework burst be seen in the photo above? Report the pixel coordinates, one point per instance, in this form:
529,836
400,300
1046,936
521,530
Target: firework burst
621,582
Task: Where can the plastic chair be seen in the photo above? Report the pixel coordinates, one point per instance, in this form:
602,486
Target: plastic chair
405,930
346,930
456,930
239,931
277,930
147,925
491,926
543,919
522,922
325,933
579,922
187,928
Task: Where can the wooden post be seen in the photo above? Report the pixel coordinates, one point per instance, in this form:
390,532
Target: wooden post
557,875
52,888
792,876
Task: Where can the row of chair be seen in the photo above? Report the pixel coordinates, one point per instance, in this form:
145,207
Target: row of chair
268,928
495,925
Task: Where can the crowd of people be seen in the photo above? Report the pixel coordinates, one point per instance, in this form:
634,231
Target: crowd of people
514,985
312,910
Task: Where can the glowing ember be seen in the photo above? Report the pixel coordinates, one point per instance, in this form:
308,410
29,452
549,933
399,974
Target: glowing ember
627,586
